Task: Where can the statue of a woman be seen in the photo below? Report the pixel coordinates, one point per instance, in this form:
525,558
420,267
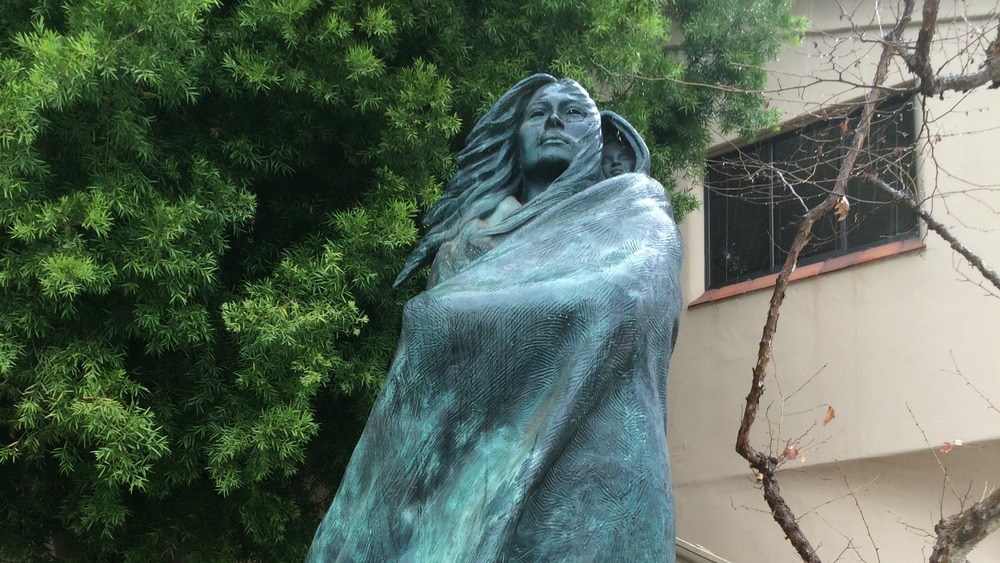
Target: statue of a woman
523,418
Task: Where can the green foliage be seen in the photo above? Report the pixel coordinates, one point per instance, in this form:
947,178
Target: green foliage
716,35
203,204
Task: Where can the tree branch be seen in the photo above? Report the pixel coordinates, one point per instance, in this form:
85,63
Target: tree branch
989,71
958,534
919,62
875,94
764,465
936,226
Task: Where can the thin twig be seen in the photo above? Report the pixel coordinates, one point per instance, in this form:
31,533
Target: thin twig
864,520
959,373
933,451
808,381
936,226
851,492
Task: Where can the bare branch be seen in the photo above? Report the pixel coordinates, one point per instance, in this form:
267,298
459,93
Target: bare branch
958,534
988,72
857,504
765,465
919,62
936,226
982,395
851,492
944,470
875,93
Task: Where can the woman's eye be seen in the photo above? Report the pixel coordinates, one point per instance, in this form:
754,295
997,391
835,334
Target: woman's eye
536,113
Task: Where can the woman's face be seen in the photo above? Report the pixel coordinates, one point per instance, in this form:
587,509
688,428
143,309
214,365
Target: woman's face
558,120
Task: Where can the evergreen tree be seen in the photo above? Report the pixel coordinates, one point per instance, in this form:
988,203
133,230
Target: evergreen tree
203,204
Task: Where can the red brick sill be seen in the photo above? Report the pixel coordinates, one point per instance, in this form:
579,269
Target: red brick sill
832,265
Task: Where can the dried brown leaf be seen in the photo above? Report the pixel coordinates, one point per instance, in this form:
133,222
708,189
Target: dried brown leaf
842,208
946,447
830,415
791,452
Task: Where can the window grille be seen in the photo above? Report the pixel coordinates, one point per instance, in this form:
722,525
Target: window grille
756,195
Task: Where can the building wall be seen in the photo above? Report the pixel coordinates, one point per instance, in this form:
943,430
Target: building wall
902,348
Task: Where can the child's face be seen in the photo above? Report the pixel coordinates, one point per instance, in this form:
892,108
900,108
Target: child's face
616,159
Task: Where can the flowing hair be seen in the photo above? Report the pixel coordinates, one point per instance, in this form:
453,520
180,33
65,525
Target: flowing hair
489,171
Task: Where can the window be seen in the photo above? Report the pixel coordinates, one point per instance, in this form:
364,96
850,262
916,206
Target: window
755,196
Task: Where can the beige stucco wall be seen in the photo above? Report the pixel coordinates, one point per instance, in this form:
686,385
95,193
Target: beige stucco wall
883,343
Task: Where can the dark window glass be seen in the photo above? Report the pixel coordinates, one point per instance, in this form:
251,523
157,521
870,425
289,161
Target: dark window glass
757,195
739,218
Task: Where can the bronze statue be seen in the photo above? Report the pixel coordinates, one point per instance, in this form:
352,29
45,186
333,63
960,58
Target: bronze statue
617,158
523,418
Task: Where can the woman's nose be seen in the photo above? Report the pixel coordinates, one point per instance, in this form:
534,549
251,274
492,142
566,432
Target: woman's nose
553,120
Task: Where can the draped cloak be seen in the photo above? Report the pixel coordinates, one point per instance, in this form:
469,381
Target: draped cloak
523,418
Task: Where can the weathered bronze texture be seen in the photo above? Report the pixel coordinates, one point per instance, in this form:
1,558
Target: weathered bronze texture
524,414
